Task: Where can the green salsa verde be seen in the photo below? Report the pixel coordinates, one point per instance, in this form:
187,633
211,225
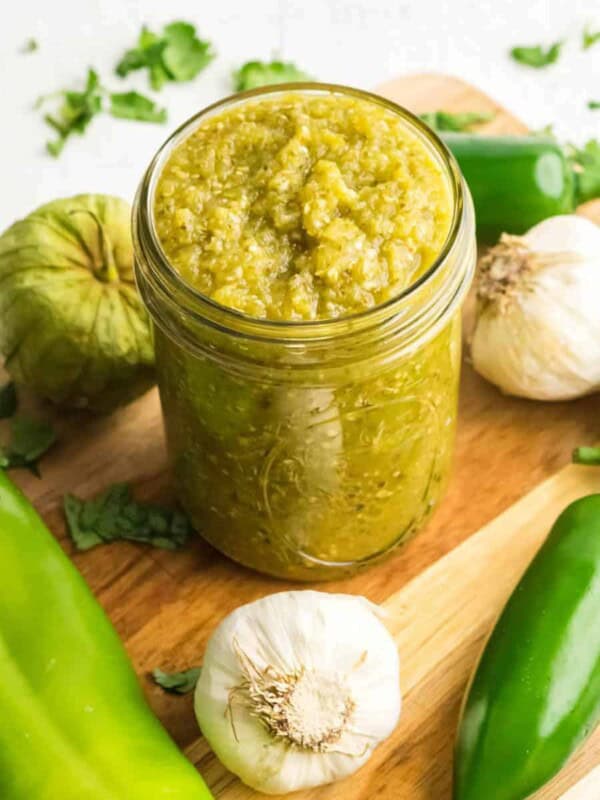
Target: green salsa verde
300,459
302,207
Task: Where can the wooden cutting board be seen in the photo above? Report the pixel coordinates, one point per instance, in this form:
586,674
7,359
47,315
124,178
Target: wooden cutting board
165,605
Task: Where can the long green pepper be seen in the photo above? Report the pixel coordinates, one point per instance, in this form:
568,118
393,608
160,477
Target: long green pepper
535,696
515,181
74,724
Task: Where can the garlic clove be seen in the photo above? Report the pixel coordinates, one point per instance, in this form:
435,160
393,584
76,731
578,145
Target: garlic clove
298,688
566,233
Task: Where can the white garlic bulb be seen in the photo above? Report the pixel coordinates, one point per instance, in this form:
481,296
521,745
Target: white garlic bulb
298,688
537,331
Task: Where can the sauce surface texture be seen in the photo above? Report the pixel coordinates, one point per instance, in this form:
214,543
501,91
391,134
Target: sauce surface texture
302,207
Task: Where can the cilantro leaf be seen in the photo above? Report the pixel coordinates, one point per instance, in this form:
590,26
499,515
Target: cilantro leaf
30,46
132,105
148,51
536,56
446,121
586,165
177,54
147,54
115,515
76,112
8,400
79,108
261,73
185,55
177,682
587,455
29,440
594,105
589,38
547,132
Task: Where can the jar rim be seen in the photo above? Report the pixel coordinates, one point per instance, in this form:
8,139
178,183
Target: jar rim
203,308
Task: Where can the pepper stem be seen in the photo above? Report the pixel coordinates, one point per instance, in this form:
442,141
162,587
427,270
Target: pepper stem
107,270
590,456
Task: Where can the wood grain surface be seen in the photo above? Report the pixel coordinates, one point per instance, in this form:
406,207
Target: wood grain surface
165,604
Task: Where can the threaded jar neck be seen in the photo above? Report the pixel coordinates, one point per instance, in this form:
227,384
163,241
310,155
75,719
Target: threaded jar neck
398,325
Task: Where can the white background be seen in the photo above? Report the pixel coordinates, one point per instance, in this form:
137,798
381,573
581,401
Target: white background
360,42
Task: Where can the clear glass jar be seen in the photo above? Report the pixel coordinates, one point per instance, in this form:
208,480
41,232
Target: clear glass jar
309,450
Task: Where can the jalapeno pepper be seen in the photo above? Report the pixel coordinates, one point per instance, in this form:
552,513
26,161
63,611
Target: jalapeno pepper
535,695
74,722
517,181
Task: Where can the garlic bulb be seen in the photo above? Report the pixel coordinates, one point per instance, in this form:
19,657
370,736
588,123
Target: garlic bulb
298,688
537,330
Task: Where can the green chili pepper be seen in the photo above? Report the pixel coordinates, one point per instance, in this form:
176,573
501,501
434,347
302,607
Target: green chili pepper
74,724
515,181
535,696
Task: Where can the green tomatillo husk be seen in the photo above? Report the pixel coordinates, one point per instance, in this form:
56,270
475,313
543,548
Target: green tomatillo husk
72,325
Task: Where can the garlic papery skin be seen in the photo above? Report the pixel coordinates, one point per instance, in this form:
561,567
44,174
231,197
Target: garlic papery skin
537,328
298,688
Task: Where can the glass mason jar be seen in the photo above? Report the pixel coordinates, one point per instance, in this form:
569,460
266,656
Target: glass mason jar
309,450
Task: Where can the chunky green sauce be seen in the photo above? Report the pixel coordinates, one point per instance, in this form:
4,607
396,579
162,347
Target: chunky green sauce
302,207
305,207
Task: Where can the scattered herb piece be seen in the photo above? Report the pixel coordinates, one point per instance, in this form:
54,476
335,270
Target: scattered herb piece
261,73
30,46
446,121
76,112
536,56
586,165
147,54
132,105
29,440
185,55
177,682
175,55
547,132
589,38
78,109
8,400
115,515
587,455
594,105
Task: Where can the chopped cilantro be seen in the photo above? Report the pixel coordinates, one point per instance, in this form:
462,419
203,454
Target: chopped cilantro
8,400
78,109
587,455
589,38
177,54
446,121
547,132
536,56
261,73
148,54
586,165
132,105
177,682
76,112
30,46
115,515
29,440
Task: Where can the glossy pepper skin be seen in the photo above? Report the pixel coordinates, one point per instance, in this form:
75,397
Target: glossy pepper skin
535,695
74,724
515,181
